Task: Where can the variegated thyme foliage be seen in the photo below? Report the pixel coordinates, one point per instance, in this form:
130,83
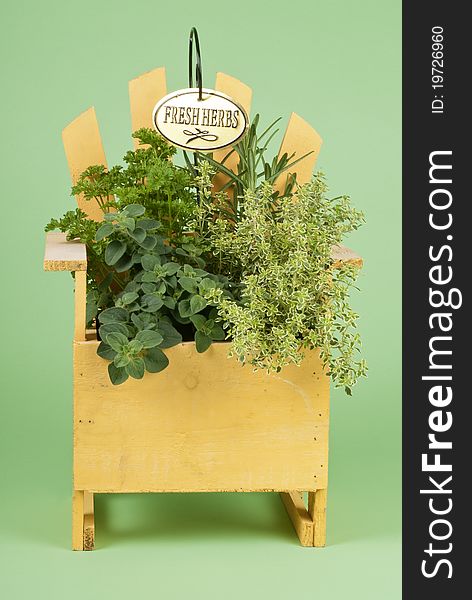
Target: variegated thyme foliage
292,298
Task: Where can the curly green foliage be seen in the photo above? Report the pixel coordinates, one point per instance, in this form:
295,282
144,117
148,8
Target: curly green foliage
149,179
163,293
292,296
98,183
76,225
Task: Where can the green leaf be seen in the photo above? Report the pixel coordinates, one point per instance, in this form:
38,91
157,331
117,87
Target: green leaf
155,360
136,346
142,321
121,360
105,351
148,224
218,333
113,315
151,303
112,328
202,341
148,288
149,242
103,231
117,375
169,302
188,284
197,303
138,234
125,263
149,338
128,297
171,268
207,284
213,314
149,277
170,334
161,287
129,223
172,281
116,340
199,321
134,210
135,368
114,251
132,286
149,261
200,262
184,308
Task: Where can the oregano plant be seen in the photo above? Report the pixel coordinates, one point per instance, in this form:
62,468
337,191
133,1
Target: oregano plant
160,288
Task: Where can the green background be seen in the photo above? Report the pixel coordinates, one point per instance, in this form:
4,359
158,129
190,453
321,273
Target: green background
337,64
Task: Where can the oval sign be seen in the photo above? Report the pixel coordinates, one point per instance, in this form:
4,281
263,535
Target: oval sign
215,121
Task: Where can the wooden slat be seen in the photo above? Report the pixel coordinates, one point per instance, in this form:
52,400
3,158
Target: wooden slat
341,254
194,427
80,296
302,523
234,88
144,92
89,532
83,147
88,503
89,522
78,520
61,255
317,510
301,138
242,93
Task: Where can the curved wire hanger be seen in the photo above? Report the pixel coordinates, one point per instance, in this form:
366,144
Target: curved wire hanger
198,63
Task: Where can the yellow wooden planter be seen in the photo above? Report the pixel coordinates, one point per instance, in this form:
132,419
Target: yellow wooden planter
204,424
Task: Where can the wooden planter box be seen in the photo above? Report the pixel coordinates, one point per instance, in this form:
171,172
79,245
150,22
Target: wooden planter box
204,424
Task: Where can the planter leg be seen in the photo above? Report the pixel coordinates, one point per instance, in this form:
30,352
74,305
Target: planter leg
317,511
89,522
77,520
83,526
301,520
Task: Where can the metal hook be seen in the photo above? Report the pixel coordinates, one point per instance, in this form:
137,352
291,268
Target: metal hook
198,66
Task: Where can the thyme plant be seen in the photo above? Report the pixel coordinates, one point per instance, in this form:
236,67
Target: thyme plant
293,296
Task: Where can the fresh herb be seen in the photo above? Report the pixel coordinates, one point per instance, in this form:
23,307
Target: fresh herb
149,179
162,290
253,170
292,296
172,260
